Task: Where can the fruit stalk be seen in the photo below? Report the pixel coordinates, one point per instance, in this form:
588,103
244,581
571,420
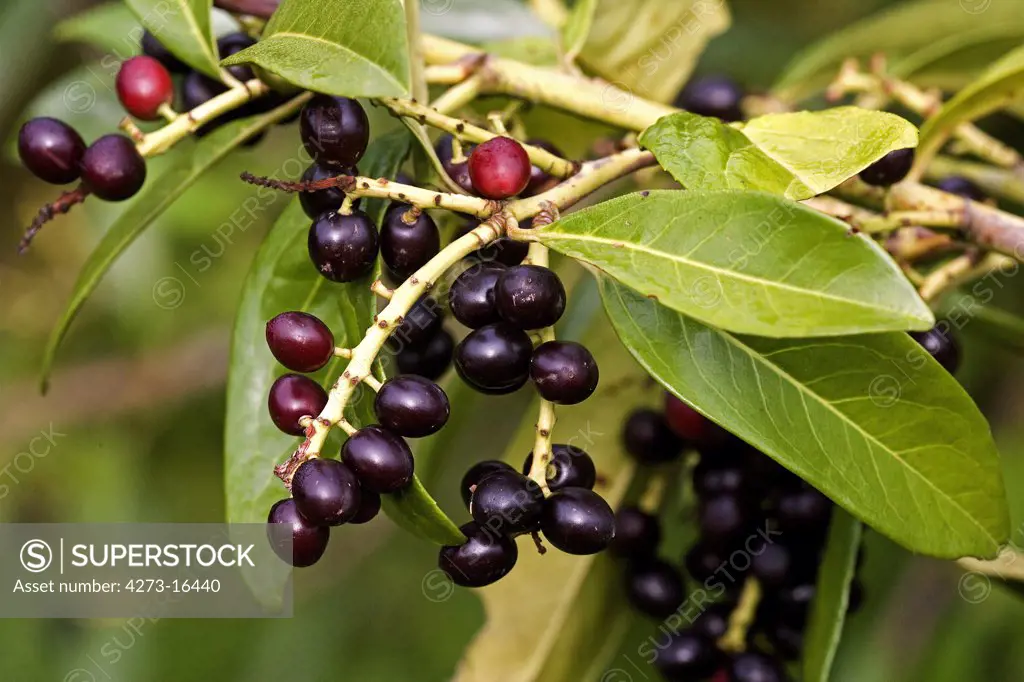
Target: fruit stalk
538,255
735,638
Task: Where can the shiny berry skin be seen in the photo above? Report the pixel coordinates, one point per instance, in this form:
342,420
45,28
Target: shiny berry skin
649,439
152,47
941,345
471,296
712,477
324,200
494,359
326,492
568,467
713,622
577,521
805,511
637,534
773,565
687,656
113,169
232,43
713,95
751,666
429,359
504,251
889,169
343,247
292,397
484,558
408,239
962,187
369,507
530,296
143,85
499,168
411,406
197,89
564,372
308,540
654,587
540,180
420,324
507,502
300,341
477,473
334,130
457,171
724,519
51,149
381,460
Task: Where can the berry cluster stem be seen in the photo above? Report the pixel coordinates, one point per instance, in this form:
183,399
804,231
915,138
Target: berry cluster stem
546,418
735,638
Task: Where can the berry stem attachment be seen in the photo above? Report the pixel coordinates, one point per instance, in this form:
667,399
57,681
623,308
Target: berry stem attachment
131,130
926,218
378,287
48,212
735,638
345,353
457,96
373,382
168,112
546,418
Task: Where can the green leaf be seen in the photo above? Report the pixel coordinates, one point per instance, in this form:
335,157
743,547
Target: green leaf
577,27
745,261
797,155
110,26
158,195
832,596
1002,83
999,326
872,420
357,48
185,27
649,47
952,61
417,512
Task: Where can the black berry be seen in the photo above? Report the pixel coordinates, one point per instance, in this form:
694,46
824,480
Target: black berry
420,324
564,372
530,296
456,170
649,439
507,502
113,169
724,519
324,200
687,656
51,149
343,247
196,89
155,49
941,345
499,168
889,169
568,467
477,473
143,85
232,43
334,130
369,506
713,622
411,406
471,297
381,460
308,541
804,511
484,558
713,95
654,587
326,492
751,666
711,477
430,358
706,560
577,521
637,534
408,239
300,341
773,565
495,358
540,180
292,397
962,187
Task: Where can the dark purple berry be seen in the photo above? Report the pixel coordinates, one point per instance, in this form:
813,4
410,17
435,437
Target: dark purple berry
429,359
113,169
713,95
499,168
144,85
343,247
713,622
773,565
540,180
477,473
637,534
456,170
421,323
233,43
495,358
484,558
369,507
155,49
889,169
649,439
530,296
408,239
326,492
687,656
724,519
300,341
507,502
752,666
471,297
334,130
381,460
292,397
325,200
805,511
942,345
411,406
564,372
706,560
716,477
578,521
51,149
654,587
308,541
568,467
197,89
962,187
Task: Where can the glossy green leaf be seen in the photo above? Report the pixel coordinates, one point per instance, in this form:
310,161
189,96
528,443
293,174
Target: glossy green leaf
417,512
577,27
1002,83
745,261
110,26
871,420
797,155
832,596
649,47
356,48
156,197
185,27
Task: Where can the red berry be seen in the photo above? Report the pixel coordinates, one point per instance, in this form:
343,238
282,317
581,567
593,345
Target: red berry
143,85
499,168
690,424
300,341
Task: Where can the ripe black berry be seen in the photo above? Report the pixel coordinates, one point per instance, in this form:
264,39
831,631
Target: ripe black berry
705,560
713,477
568,467
381,460
941,345
477,473
724,518
484,558
578,521
751,666
324,200
334,130
326,492
369,506
564,372
113,169
714,95
457,171
143,85
540,180
804,511
197,89
471,297
637,534
654,587
411,406
408,239
649,439
420,324
507,502
300,341
51,149
294,396
495,358
687,656
308,541
429,359
155,49
889,169
530,296
343,247
773,565
499,168
961,186
232,43
713,622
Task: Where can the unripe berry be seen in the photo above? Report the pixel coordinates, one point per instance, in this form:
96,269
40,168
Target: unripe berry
499,168
144,85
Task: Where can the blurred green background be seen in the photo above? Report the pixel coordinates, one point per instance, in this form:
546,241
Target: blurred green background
136,410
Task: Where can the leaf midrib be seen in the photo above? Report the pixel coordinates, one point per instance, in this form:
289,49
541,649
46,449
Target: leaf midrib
193,23
342,48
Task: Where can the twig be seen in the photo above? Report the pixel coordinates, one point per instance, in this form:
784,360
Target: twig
47,213
735,638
